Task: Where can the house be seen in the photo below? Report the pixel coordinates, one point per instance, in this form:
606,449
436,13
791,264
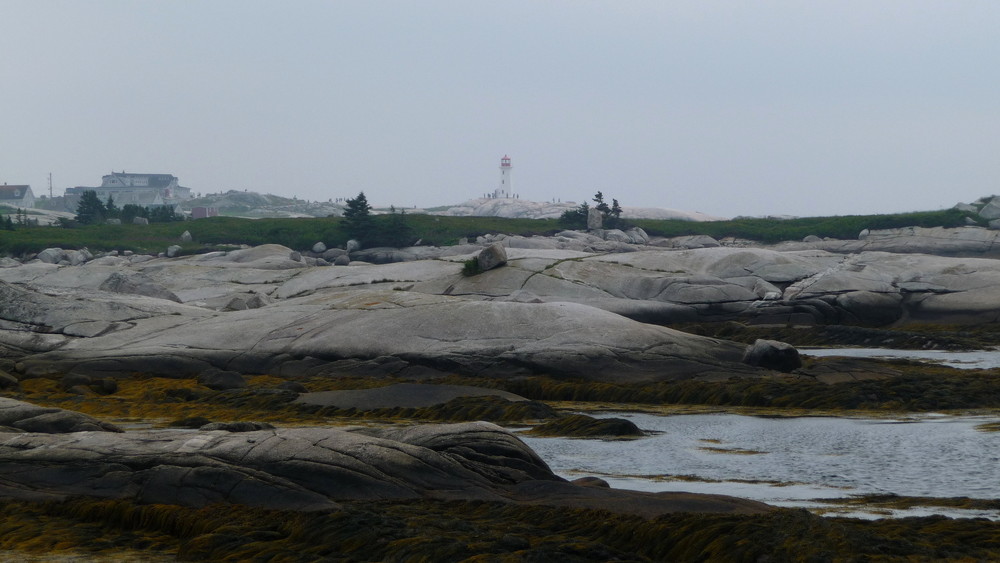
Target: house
146,190
17,196
165,184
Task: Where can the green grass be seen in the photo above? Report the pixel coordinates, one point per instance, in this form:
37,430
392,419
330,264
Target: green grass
301,234
777,230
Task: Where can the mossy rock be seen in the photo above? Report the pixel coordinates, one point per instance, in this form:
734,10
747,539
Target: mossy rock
583,426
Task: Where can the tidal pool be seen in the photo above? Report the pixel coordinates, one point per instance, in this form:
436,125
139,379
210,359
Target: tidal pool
974,359
790,461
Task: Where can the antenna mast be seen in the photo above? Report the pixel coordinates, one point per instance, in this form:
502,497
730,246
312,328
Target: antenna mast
50,185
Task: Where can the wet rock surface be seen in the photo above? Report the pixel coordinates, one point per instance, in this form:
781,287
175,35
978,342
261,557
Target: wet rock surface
303,469
18,416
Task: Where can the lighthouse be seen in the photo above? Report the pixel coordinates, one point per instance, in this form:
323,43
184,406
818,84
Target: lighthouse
505,190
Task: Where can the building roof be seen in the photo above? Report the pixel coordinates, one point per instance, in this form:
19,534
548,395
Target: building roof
154,180
13,192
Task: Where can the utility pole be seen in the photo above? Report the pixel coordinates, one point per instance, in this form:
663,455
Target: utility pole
50,185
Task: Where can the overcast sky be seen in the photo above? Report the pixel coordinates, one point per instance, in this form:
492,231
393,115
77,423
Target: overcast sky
728,108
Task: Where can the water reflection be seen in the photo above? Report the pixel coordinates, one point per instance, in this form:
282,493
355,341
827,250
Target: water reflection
785,461
976,359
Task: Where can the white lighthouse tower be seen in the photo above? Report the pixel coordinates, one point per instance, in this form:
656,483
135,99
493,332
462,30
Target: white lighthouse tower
505,190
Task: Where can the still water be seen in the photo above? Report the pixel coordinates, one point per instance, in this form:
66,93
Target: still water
789,461
975,359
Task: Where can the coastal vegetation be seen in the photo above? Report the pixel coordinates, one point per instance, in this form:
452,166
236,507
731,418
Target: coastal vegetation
429,530
302,233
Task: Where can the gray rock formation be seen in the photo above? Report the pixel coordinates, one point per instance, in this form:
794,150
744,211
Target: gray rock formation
595,220
491,257
939,241
18,416
219,380
312,469
991,210
446,334
292,468
136,284
186,236
774,355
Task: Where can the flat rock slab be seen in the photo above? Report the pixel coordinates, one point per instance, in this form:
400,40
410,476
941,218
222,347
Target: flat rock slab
402,395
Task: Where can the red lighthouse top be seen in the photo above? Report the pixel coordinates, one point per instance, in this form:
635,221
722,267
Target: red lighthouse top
505,161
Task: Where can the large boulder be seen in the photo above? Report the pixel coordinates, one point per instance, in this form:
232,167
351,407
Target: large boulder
52,255
772,354
220,380
991,210
491,257
595,220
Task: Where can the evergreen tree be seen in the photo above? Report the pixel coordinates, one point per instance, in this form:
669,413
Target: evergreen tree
8,224
575,218
130,211
358,222
111,211
616,210
601,205
163,214
90,210
397,231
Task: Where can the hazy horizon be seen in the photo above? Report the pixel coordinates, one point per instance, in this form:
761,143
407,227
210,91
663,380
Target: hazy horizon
771,108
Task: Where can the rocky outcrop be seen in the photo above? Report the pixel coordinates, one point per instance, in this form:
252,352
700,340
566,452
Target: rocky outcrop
291,468
18,416
939,241
336,331
310,469
524,209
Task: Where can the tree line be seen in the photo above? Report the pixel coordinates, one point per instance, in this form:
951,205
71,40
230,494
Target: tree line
91,210
610,214
21,220
391,229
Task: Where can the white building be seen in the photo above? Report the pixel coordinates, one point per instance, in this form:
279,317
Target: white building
146,190
17,196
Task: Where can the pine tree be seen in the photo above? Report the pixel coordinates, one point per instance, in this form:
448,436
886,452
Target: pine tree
111,211
358,222
575,218
90,210
397,233
601,205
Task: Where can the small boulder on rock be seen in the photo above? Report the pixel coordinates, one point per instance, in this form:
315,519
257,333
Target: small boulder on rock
8,381
219,380
186,236
491,257
772,354
319,248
